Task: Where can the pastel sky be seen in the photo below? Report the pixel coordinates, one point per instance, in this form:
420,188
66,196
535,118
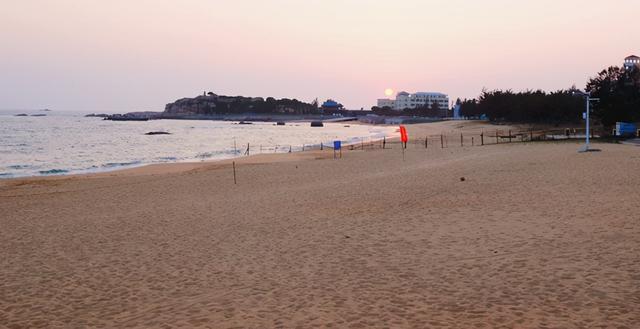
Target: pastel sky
125,55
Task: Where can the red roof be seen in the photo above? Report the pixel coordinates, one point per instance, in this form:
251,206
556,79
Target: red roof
632,57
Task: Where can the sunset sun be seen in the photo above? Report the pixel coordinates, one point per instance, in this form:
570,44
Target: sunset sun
388,92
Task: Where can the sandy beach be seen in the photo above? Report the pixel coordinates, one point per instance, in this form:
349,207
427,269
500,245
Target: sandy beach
537,235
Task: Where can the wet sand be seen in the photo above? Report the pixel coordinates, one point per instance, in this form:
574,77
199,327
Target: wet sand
536,236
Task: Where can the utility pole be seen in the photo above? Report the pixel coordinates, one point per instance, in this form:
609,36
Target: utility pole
587,96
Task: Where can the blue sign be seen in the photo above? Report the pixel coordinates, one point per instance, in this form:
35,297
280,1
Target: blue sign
337,145
625,128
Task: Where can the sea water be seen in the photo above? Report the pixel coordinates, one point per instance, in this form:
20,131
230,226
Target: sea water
69,143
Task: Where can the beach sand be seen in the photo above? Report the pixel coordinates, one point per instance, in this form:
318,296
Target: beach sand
536,236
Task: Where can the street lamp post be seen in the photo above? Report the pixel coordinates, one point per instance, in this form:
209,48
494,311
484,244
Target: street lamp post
587,96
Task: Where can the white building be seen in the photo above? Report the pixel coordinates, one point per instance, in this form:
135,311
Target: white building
632,62
404,100
385,102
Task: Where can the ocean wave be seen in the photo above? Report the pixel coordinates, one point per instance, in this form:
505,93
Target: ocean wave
20,166
206,155
167,159
53,172
120,164
226,153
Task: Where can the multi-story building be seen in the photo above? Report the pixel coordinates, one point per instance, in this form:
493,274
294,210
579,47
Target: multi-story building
385,102
404,100
632,62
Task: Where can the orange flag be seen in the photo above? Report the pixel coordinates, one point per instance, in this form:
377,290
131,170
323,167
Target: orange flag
403,134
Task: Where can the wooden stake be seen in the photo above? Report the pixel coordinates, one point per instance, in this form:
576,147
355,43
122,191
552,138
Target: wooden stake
234,173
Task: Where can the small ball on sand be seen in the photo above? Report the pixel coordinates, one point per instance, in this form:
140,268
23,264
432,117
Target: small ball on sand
462,179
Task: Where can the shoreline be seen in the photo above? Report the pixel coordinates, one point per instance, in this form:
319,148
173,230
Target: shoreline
106,165
312,152
447,127
176,167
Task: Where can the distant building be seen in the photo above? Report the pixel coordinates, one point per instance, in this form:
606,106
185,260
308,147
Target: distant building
632,62
404,100
331,106
385,102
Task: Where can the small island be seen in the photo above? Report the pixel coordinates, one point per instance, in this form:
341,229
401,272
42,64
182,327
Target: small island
210,106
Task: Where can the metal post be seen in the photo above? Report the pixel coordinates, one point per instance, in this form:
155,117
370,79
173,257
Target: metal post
588,101
587,95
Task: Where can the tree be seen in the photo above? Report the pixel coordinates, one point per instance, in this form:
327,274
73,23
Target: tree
528,106
619,93
384,111
469,108
435,109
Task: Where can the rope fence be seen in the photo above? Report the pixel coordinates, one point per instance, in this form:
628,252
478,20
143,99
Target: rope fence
431,141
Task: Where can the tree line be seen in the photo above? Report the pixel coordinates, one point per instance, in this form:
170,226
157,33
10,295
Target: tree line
530,106
212,104
267,106
431,111
617,88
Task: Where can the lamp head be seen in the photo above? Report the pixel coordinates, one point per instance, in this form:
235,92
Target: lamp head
580,93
